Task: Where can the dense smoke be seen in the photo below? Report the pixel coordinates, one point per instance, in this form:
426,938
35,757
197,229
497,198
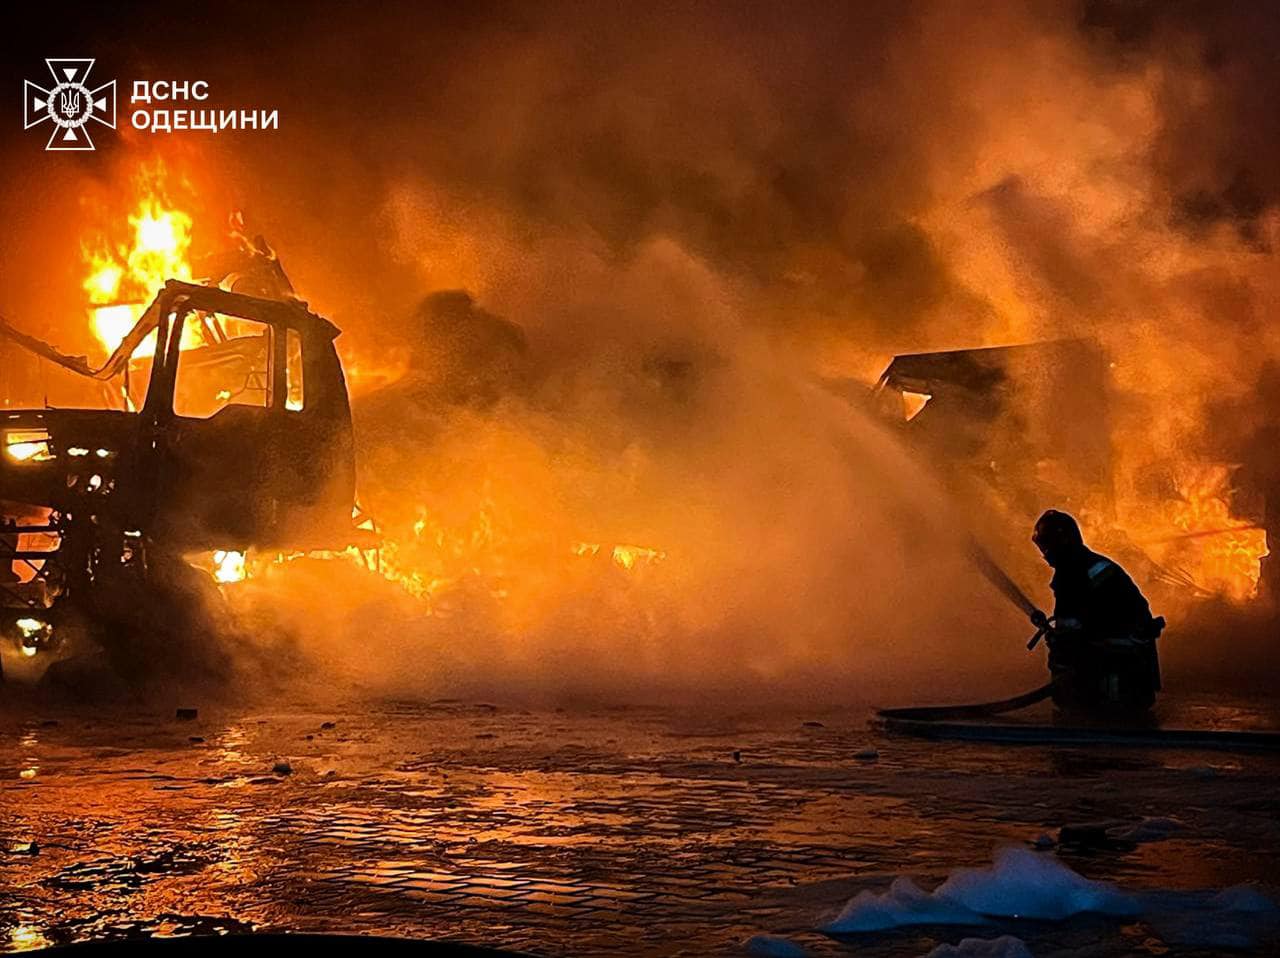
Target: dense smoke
669,223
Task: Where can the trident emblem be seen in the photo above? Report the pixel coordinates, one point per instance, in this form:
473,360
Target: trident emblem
70,104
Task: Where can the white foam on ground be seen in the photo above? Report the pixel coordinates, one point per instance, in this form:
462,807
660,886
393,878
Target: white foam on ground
771,946
1243,898
903,904
1006,946
1020,883
1025,884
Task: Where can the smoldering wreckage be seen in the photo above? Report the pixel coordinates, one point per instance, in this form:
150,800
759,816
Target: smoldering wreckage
226,429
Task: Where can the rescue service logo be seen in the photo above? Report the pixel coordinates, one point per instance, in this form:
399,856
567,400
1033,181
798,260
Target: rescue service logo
69,104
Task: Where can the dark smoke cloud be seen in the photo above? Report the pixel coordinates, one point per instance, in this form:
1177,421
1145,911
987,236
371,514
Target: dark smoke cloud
1219,142
796,147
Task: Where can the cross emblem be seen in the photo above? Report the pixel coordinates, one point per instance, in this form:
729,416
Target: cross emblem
70,104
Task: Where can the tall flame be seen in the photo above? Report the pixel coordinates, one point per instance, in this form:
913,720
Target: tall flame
124,278
1229,561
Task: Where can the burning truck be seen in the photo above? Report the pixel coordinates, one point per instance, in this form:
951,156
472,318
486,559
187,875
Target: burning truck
1017,429
210,440
223,424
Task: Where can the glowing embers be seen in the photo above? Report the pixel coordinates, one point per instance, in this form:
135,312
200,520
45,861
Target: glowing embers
28,445
79,452
229,566
224,566
33,635
624,556
29,536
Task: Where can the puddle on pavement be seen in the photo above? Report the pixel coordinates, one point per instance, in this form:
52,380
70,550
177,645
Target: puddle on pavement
568,833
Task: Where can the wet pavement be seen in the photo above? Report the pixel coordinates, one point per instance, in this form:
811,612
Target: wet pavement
618,831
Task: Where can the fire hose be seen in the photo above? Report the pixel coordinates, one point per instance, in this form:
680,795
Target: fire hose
947,721
1005,585
934,713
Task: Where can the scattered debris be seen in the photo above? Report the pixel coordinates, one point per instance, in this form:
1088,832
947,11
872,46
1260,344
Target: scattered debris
1092,834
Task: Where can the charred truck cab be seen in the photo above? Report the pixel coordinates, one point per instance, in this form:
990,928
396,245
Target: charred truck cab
235,433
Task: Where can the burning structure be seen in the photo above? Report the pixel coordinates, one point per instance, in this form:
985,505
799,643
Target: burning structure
227,427
1018,429
215,442
986,412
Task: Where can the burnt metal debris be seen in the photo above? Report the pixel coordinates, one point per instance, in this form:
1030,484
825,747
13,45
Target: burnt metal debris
992,410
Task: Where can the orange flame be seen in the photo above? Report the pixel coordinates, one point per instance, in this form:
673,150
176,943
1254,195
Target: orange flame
1198,533
123,278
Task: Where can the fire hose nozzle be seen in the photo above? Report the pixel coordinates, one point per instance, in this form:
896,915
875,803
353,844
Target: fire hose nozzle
1042,623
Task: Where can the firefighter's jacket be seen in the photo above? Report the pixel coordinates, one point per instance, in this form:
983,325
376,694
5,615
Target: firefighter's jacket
1102,621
